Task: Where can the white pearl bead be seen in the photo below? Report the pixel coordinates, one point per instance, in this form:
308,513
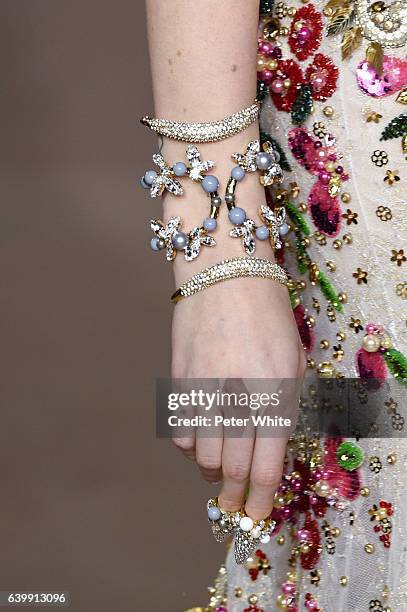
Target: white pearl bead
255,532
246,523
265,539
371,343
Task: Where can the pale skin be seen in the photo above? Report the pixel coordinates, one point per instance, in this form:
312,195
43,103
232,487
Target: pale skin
203,56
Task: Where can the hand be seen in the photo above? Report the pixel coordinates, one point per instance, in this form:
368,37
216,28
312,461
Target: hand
242,328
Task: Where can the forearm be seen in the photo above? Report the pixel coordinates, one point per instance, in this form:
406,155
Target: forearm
203,57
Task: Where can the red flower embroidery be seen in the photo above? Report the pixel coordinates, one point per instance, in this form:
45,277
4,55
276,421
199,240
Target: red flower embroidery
306,32
322,76
284,86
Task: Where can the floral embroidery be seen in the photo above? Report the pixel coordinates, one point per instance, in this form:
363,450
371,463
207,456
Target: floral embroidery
306,32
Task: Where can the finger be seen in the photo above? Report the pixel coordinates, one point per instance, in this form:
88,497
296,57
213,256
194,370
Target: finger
236,461
209,457
186,446
265,476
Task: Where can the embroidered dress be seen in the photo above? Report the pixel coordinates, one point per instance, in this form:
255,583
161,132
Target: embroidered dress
332,77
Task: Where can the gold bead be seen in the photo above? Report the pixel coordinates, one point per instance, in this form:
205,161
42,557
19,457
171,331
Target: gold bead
392,458
328,111
284,31
211,590
324,344
387,609
336,532
341,335
343,580
388,25
302,207
261,63
348,238
337,244
253,599
301,285
343,297
386,343
330,166
369,548
346,197
287,83
325,369
272,64
328,12
305,242
281,540
311,363
305,547
238,592
310,321
291,11
365,492
331,265
292,576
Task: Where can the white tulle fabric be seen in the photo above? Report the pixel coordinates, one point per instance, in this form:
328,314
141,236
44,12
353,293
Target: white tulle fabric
379,577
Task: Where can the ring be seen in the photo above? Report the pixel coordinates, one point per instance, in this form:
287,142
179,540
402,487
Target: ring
248,532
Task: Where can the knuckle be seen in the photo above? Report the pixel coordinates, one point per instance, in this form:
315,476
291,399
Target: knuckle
208,462
237,472
184,444
266,478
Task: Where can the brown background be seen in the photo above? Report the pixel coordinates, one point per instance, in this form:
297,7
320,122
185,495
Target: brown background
90,502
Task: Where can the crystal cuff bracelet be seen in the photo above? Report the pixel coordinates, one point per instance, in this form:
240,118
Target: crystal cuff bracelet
212,131
230,268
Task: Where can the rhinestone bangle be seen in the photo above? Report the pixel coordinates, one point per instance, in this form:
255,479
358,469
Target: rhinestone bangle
211,131
227,269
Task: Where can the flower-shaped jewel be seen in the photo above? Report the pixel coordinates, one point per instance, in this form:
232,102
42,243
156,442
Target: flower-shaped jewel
375,465
397,421
165,179
166,233
248,160
274,219
197,237
398,256
306,32
197,167
391,177
322,76
246,231
375,605
274,174
379,158
384,213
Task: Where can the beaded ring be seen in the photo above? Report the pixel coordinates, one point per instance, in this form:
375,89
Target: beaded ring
248,532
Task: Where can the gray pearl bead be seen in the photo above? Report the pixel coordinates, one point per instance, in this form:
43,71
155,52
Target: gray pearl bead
210,183
284,229
213,513
144,184
150,176
237,215
263,161
154,243
180,241
229,198
262,232
210,224
276,155
161,244
238,173
216,201
179,169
